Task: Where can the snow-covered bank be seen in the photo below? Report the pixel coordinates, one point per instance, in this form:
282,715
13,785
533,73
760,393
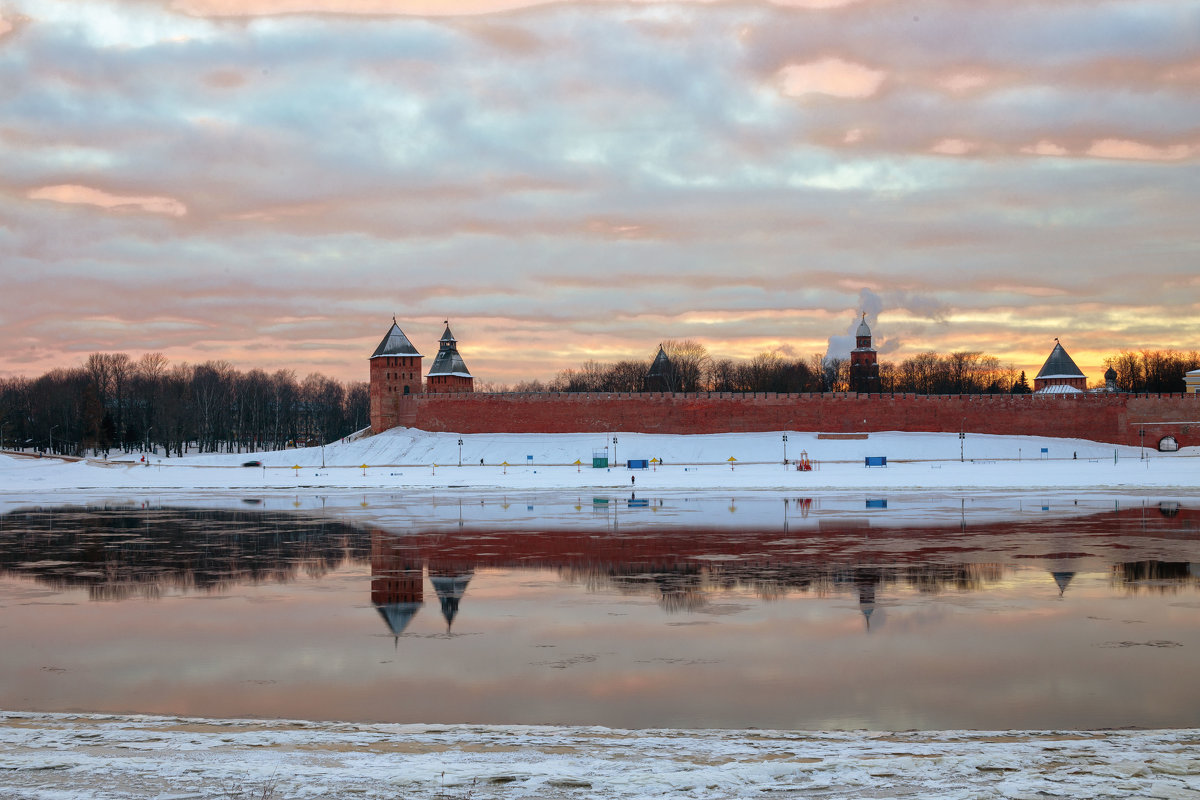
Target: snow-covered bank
413,459
57,756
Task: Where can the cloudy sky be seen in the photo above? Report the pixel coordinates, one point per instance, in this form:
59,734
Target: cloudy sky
269,181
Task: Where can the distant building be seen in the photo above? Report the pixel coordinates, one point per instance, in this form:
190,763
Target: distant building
1110,380
1059,375
1191,382
449,373
661,375
864,371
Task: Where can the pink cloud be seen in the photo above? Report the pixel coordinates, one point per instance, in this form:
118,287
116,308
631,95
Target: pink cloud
954,147
962,82
1139,151
831,76
1045,148
86,195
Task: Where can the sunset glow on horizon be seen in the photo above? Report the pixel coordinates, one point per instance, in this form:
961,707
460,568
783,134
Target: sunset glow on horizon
268,182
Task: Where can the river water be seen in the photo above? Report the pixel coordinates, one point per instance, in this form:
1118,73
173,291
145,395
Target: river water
832,612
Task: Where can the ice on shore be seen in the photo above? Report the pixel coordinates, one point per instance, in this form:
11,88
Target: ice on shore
47,756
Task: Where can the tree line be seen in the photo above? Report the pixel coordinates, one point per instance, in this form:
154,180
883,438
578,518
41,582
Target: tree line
115,402
147,404
693,369
1153,370
962,372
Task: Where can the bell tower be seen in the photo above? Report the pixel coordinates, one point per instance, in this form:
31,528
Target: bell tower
449,372
864,371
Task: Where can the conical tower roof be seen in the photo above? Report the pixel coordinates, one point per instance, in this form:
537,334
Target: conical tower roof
661,366
448,361
395,343
1059,365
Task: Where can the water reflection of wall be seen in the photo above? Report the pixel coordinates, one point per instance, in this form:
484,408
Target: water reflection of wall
688,587
117,552
123,551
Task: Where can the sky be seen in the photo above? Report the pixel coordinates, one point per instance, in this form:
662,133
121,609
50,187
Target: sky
269,182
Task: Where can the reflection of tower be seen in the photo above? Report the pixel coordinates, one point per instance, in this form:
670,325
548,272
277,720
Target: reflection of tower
867,580
397,588
450,583
1063,579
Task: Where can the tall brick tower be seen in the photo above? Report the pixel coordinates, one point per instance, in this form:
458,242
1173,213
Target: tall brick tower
449,373
864,372
395,381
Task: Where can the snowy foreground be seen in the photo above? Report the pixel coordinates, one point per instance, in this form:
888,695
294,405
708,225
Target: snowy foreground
410,459
61,756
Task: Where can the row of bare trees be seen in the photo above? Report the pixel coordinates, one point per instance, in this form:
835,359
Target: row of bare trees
694,370
114,402
963,372
1152,370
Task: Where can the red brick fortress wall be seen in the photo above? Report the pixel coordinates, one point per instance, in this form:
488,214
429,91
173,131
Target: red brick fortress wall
1114,418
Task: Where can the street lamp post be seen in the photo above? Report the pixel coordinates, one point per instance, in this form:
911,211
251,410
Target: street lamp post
1142,438
460,452
614,449
322,456
785,449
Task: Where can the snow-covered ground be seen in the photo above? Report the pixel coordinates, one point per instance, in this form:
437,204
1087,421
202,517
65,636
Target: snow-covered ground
412,459
69,756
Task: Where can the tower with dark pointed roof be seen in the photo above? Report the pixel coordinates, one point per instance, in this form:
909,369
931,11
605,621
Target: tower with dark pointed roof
449,372
661,375
864,369
395,380
1059,371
